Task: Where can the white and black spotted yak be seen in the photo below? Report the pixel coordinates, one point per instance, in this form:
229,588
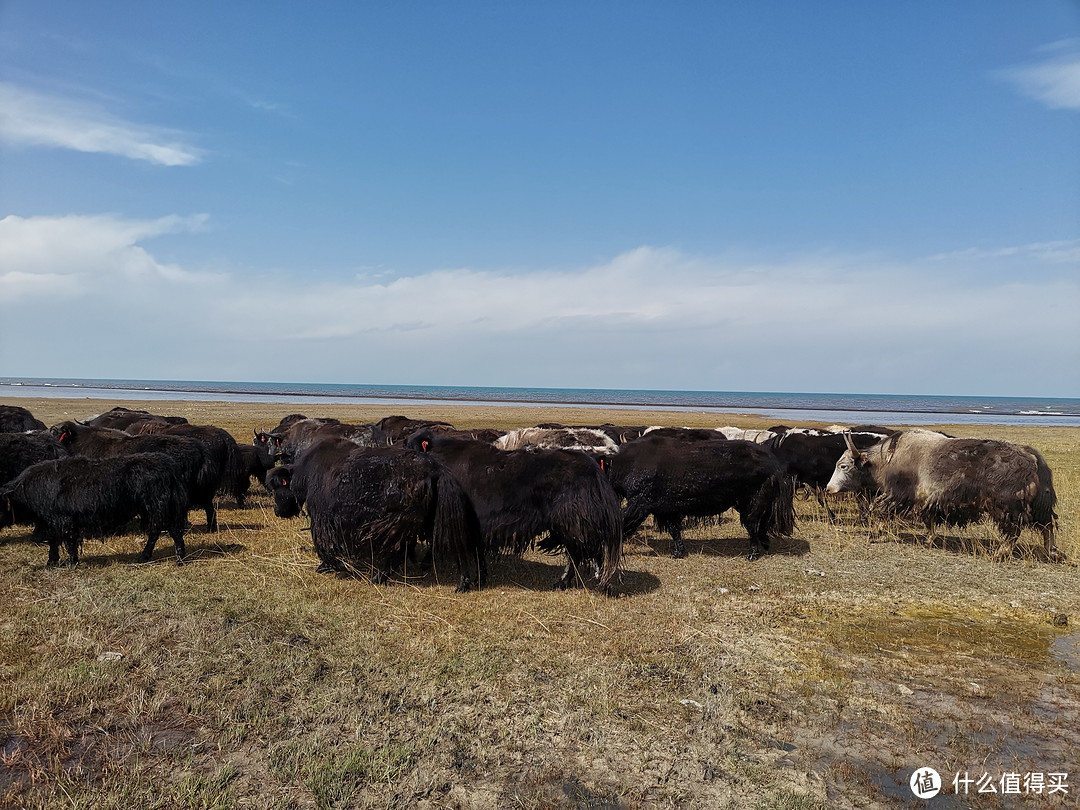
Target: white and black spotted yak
939,479
73,498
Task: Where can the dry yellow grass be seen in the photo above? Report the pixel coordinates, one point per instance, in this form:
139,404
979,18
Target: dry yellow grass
821,675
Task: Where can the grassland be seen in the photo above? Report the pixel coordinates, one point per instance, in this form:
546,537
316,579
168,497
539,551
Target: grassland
819,676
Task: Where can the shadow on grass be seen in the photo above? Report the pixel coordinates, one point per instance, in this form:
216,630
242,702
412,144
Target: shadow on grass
727,546
535,575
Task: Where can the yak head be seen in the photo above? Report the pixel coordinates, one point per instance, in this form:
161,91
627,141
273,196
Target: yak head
268,444
852,472
287,501
65,432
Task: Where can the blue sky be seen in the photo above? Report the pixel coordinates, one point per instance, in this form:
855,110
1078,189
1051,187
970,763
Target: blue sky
783,196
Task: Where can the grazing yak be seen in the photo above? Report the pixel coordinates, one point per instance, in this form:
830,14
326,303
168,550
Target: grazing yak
397,429
587,440
235,480
16,419
200,471
76,497
673,479
255,462
809,456
120,418
372,504
518,495
685,433
296,432
939,479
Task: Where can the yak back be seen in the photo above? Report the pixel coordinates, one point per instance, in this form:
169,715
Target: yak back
17,419
21,450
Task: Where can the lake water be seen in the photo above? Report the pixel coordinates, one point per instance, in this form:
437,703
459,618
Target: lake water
790,408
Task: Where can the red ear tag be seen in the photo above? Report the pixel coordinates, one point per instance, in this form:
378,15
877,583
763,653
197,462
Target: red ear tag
62,436
424,446
284,482
602,467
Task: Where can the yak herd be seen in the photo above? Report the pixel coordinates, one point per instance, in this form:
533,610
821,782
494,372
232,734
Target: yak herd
374,492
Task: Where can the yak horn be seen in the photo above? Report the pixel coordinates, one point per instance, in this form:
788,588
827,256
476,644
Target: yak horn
850,444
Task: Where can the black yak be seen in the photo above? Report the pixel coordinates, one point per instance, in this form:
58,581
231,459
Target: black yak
119,418
73,498
19,450
235,480
673,479
372,504
939,479
296,433
201,473
17,419
519,495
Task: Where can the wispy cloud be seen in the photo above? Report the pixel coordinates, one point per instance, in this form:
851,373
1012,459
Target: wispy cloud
30,118
650,317
1063,251
1054,80
83,255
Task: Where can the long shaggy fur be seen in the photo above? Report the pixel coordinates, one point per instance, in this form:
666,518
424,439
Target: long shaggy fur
942,480
200,470
519,495
374,504
20,450
73,498
17,419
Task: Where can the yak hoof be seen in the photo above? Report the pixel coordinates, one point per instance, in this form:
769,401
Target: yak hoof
1056,555
678,553
325,568
754,554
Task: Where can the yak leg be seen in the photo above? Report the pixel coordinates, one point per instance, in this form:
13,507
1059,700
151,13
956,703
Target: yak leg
177,534
211,516
633,516
672,524
151,541
54,551
571,573
71,541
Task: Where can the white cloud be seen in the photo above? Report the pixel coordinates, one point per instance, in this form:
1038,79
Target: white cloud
1055,81
648,318
29,118
79,254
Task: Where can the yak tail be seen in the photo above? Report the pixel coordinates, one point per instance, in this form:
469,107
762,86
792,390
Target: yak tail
1043,516
455,530
610,518
235,480
773,509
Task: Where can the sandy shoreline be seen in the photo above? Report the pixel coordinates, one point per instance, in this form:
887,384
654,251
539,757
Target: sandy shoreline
233,415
